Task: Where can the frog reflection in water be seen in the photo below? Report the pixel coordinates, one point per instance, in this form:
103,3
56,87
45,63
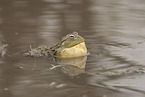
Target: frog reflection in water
71,66
72,45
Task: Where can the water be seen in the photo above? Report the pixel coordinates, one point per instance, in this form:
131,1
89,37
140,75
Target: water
115,37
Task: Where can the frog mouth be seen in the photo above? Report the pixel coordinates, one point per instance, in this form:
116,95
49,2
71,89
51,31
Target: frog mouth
74,51
76,44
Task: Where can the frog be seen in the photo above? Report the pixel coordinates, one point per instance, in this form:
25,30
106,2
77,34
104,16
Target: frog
71,45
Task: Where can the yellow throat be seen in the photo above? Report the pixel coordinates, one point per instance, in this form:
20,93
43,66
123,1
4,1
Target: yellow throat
75,51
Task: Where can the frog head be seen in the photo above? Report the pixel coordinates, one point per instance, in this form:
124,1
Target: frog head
72,45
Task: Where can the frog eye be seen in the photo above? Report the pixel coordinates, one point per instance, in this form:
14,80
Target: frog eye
71,36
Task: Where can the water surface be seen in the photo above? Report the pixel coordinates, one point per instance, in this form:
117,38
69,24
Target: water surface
115,37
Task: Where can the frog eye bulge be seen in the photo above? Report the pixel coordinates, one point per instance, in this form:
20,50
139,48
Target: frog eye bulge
71,36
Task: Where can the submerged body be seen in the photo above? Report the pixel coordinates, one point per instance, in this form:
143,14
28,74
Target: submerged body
72,45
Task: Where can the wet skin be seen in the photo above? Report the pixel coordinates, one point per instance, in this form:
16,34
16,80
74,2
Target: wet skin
72,45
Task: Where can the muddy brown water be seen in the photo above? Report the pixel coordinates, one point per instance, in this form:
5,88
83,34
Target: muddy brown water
114,31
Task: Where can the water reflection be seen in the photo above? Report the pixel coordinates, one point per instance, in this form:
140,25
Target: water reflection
73,66
3,47
114,33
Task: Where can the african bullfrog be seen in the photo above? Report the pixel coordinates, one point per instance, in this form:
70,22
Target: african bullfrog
72,45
